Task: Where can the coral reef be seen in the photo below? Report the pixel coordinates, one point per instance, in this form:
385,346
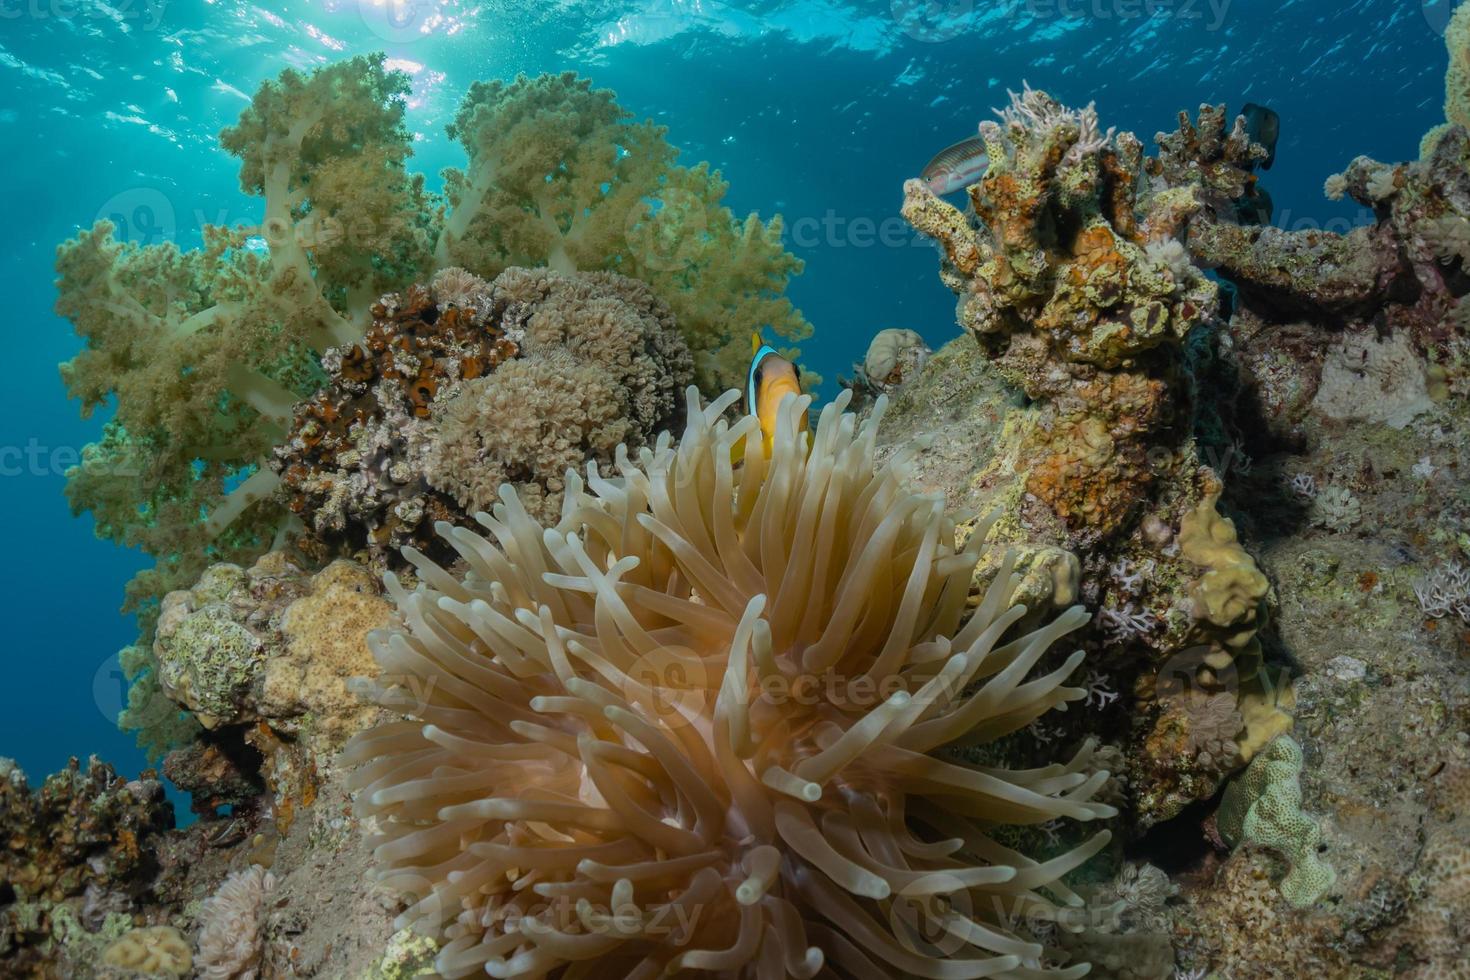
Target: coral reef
206,352
787,716
79,851
701,717
1356,326
262,656
1073,277
1057,284
457,391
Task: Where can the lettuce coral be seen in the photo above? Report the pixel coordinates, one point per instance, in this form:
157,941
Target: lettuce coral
715,721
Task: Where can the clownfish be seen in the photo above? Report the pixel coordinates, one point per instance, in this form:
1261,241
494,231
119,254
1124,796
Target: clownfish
771,377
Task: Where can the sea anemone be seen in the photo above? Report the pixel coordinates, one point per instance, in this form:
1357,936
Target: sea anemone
722,720
231,943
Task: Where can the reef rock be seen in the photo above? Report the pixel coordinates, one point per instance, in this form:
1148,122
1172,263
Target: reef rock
1074,282
263,655
79,856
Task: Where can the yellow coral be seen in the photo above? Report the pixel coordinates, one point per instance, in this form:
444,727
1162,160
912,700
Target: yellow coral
154,951
1230,591
326,644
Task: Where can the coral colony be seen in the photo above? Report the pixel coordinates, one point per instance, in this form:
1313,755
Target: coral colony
487,638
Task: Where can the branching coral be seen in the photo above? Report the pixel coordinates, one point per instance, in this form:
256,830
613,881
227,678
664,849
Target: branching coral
1073,275
1392,289
559,175
704,724
1079,304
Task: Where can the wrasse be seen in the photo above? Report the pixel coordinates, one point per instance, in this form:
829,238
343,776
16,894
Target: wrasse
771,377
956,167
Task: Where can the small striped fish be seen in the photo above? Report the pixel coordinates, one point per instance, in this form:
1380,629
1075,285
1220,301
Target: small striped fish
957,167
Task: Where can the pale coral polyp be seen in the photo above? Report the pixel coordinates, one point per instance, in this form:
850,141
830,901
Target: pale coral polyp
597,776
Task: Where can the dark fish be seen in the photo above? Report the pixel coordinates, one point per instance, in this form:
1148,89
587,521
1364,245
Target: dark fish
956,167
1255,208
1263,126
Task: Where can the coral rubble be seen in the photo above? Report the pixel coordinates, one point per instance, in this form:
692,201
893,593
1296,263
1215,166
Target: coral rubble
79,853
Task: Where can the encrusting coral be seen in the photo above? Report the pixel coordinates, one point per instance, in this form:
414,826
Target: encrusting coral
263,655
706,723
154,951
205,352
470,385
1263,805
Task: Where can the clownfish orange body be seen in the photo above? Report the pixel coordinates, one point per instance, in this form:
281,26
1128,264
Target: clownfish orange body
771,378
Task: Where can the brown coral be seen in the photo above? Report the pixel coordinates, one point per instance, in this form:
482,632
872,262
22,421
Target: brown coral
1057,284
1073,277
510,381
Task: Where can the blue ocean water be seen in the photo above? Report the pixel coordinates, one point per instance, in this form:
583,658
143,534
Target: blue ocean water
812,108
